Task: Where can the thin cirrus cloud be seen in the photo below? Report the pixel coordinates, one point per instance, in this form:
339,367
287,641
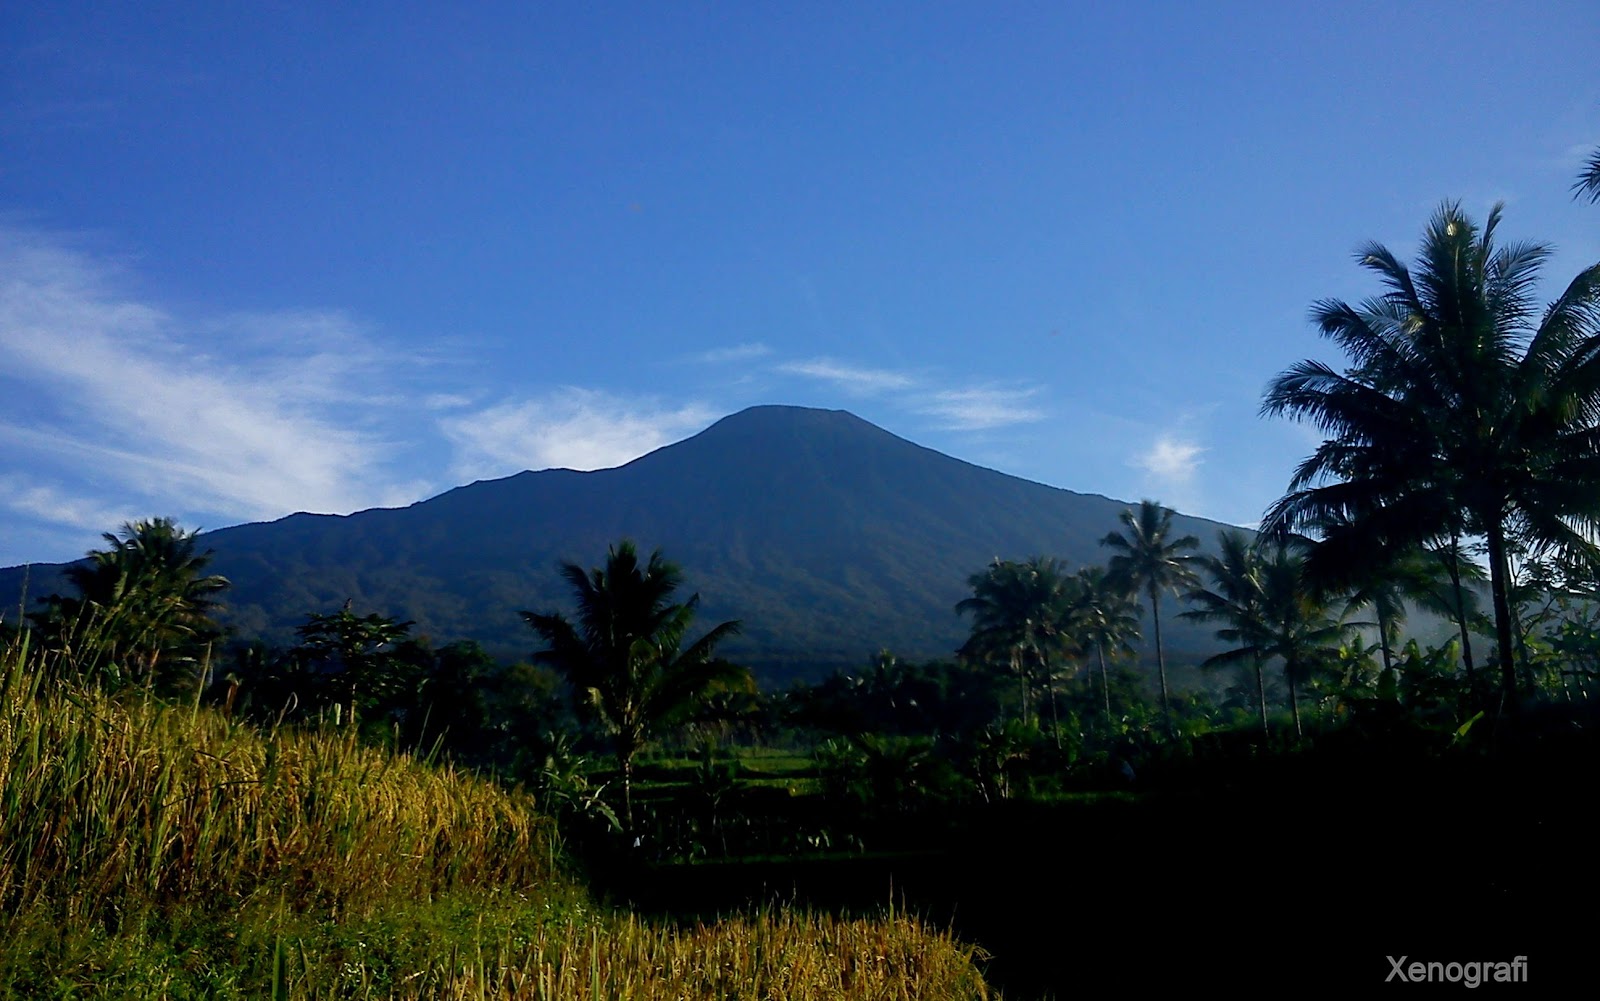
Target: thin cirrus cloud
738,352
29,496
569,428
448,401
968,408
982,408
112,401
854,379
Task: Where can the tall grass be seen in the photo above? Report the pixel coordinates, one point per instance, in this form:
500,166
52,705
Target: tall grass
158,851
107,802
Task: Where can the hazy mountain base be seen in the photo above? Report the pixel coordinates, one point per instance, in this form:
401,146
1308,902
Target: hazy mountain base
828,537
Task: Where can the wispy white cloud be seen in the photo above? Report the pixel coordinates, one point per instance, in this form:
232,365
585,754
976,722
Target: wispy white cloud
241,416
49,503
1171,459
571,427
448,401
956,406
851,378
739,352
982,408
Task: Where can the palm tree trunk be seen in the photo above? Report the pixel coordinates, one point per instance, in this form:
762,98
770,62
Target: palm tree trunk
1520,637
625,752
1261,699
1161,657
1022,681
1289,667
1383,637
1055,713
1453,565
1502,611
1105,685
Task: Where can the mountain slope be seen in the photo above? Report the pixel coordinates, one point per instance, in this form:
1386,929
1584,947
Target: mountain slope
827,536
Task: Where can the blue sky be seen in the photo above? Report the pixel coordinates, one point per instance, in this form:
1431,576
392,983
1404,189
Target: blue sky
327,259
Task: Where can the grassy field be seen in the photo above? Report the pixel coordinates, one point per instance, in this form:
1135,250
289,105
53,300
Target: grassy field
152,851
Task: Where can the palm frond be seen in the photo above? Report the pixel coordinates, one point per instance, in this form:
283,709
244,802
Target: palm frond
1588,182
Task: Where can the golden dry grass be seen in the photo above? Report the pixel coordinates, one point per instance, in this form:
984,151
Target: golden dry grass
105,800
153,851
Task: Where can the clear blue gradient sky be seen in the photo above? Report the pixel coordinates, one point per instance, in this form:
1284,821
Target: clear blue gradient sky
336,257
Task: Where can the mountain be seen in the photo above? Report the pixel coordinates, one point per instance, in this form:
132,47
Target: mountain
829,538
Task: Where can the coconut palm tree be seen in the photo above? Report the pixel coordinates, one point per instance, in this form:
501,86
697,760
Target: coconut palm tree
1147,558
1466,411
1107,618
1300,630
625,654
145,597
1237,601
1019,613
1269,611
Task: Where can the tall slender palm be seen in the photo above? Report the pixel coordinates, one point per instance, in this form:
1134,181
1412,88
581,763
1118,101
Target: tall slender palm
1270,612
1147,558
1237,600
1107,619
1300,630
1467,411
625,655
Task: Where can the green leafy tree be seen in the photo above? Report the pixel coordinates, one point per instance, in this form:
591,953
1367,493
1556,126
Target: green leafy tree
144,605
1467,411
1147,558
899,699
460,701
357,659
625,655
